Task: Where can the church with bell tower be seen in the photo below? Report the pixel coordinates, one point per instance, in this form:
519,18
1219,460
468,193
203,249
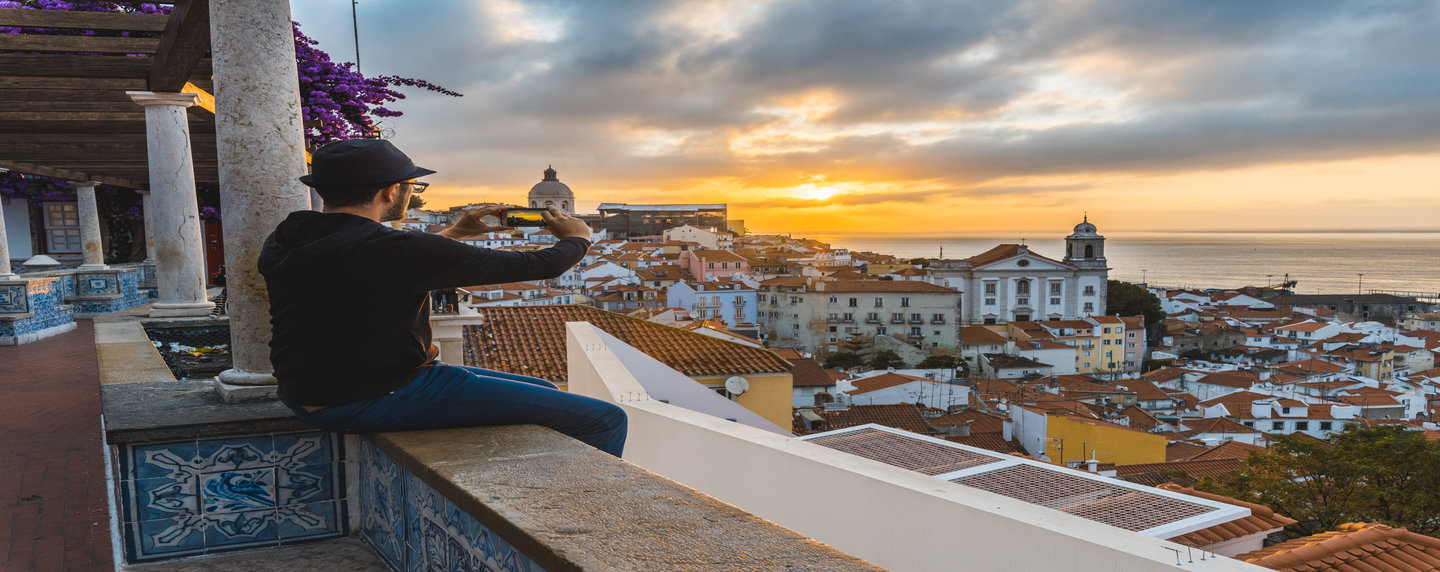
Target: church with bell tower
1011,283
550,192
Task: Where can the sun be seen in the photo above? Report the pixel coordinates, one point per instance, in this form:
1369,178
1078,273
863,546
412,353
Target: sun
813,192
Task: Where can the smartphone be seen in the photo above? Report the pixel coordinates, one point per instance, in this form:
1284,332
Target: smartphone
524,217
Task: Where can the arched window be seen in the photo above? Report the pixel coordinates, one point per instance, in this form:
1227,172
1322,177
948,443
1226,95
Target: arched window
565,206
1022,287
549,204
1089,251
1069,250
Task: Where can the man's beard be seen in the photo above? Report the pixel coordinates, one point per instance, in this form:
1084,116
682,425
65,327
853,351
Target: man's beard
397,210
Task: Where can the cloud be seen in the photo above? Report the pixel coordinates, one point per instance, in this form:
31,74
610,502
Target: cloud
660,96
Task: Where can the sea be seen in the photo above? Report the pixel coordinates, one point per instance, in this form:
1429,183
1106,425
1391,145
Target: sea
1319,263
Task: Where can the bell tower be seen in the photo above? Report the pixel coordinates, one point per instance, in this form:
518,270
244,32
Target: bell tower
1085,248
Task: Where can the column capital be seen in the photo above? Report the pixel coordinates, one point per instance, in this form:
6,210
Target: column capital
148,98
82,184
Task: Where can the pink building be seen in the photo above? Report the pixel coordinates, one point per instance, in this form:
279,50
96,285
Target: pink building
708,265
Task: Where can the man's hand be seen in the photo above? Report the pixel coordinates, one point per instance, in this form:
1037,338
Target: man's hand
471,224
565,226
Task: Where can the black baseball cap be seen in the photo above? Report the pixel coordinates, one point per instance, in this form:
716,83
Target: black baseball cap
360,162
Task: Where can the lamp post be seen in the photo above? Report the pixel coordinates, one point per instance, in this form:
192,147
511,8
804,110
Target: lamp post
1360,283
1142,277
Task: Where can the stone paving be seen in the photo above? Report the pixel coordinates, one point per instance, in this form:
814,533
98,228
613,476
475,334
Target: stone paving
53,512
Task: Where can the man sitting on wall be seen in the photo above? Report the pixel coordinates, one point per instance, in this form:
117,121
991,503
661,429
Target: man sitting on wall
350,309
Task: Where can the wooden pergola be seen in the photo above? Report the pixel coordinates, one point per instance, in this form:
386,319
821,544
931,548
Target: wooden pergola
63,107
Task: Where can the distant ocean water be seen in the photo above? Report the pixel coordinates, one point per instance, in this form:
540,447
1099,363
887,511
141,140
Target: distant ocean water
1322,263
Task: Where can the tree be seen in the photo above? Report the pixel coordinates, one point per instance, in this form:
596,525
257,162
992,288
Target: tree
1126,299
938,362
1387,474
844,360
1195,354
415,202
885,359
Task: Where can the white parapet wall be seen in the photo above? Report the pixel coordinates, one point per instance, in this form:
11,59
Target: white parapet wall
891,517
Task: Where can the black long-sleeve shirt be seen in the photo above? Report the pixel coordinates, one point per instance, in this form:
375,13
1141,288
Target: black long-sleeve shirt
349,300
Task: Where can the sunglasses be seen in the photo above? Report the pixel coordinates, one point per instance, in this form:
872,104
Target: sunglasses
417,188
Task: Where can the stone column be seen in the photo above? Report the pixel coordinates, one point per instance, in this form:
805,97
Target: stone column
179,250
89,226
262,154
148,205
6,273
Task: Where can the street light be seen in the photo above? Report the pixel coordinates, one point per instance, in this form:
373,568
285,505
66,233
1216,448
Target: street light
1360,285
1142,277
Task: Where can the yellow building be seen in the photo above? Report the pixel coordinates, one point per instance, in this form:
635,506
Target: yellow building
1110,347
1072,438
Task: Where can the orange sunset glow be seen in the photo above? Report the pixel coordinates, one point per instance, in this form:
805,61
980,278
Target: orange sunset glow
814,116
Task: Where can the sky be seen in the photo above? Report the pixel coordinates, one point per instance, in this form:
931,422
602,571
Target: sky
881,116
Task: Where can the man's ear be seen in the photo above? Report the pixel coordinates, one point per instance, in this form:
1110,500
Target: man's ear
390,194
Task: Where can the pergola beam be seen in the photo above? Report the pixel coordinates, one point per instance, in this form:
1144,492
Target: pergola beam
93,44
108,21
73,83
183,45
73,66
45,171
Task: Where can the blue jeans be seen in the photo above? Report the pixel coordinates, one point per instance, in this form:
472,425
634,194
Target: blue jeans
458,396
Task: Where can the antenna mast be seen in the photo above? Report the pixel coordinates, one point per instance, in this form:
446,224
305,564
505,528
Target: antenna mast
355,21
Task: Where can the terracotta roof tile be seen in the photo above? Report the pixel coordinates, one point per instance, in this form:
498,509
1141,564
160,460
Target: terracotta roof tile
904,416
530,340
1215,425
979,335
979,421
1261,520
1354,546
990,442
1144,389
1181,450
1195,469
1229,450
883,381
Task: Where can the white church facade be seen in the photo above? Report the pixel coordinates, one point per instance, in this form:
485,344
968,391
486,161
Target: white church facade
1011,283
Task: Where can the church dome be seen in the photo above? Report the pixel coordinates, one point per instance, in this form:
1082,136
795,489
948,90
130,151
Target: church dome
1085,229
551,188
550,192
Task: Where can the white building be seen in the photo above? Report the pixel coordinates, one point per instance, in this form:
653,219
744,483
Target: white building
819,316
1009,283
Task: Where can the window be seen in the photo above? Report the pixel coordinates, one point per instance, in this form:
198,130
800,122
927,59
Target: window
937,332
854,302
989,321
1326,425
834,316
1022,301
1105,342
712,265
1054,288
834,299
1107,330
1277,426
880,331
848,317
62,227
897,318
1022,317
989,288
937,318
1302,425
989,301
915,318
914,332
1089,306
724,265
833,329
1055,301
1249,423
904,302
872,317
1089,291
1022,287
879,302
1087,364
